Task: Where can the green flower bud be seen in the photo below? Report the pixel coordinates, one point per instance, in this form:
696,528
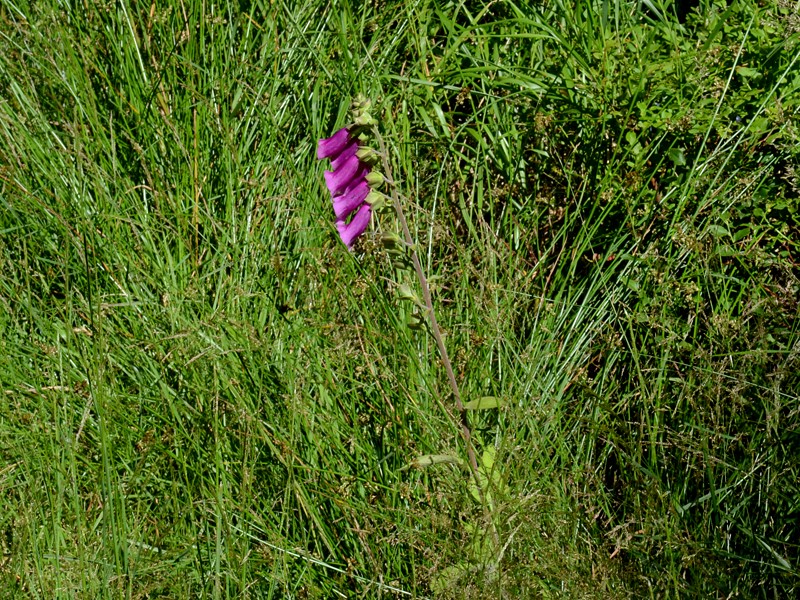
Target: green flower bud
364,119
392,241
404,292
360,102
376,200
373,178
414,322
396,254
361,133
368,155
400,263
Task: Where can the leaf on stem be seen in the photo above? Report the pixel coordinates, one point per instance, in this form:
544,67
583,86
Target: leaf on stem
426,460
485,402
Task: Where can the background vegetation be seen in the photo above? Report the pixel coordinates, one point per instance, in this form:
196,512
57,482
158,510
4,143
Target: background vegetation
206,395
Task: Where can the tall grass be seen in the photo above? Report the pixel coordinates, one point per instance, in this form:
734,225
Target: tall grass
206,395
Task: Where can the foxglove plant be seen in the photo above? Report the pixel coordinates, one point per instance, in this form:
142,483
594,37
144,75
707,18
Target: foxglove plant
350,182
350,179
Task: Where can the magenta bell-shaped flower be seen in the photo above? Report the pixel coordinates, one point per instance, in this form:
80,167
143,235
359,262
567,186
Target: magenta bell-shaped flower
348,182
354,197
350,150
340,179
333,146
350,231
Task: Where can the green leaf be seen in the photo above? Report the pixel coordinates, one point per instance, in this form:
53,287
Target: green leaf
718,230
426,460
747,72
759,125
677,156
488,458
631,283
742,233
485,402
480,494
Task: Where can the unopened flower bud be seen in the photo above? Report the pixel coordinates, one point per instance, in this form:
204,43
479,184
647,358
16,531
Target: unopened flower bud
364,119
396,254
391,240
367,155
374,179
400,263
414,322
376,200
360,102
404,292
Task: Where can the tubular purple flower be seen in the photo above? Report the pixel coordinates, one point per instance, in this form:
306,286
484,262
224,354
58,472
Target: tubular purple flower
347,152
332,146
357,225
340,179
361,175
354,197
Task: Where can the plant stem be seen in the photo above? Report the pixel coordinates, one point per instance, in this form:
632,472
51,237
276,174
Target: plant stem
466,431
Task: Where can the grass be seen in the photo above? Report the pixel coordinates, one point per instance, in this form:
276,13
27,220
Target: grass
206,395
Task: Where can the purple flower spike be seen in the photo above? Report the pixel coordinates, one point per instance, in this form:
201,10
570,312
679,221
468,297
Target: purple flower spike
348,182
333,145
349,173
350,231
354,197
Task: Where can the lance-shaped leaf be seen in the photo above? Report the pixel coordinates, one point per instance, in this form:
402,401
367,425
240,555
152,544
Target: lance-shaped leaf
486,402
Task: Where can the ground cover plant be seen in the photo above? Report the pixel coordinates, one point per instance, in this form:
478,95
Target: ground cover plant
206,394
